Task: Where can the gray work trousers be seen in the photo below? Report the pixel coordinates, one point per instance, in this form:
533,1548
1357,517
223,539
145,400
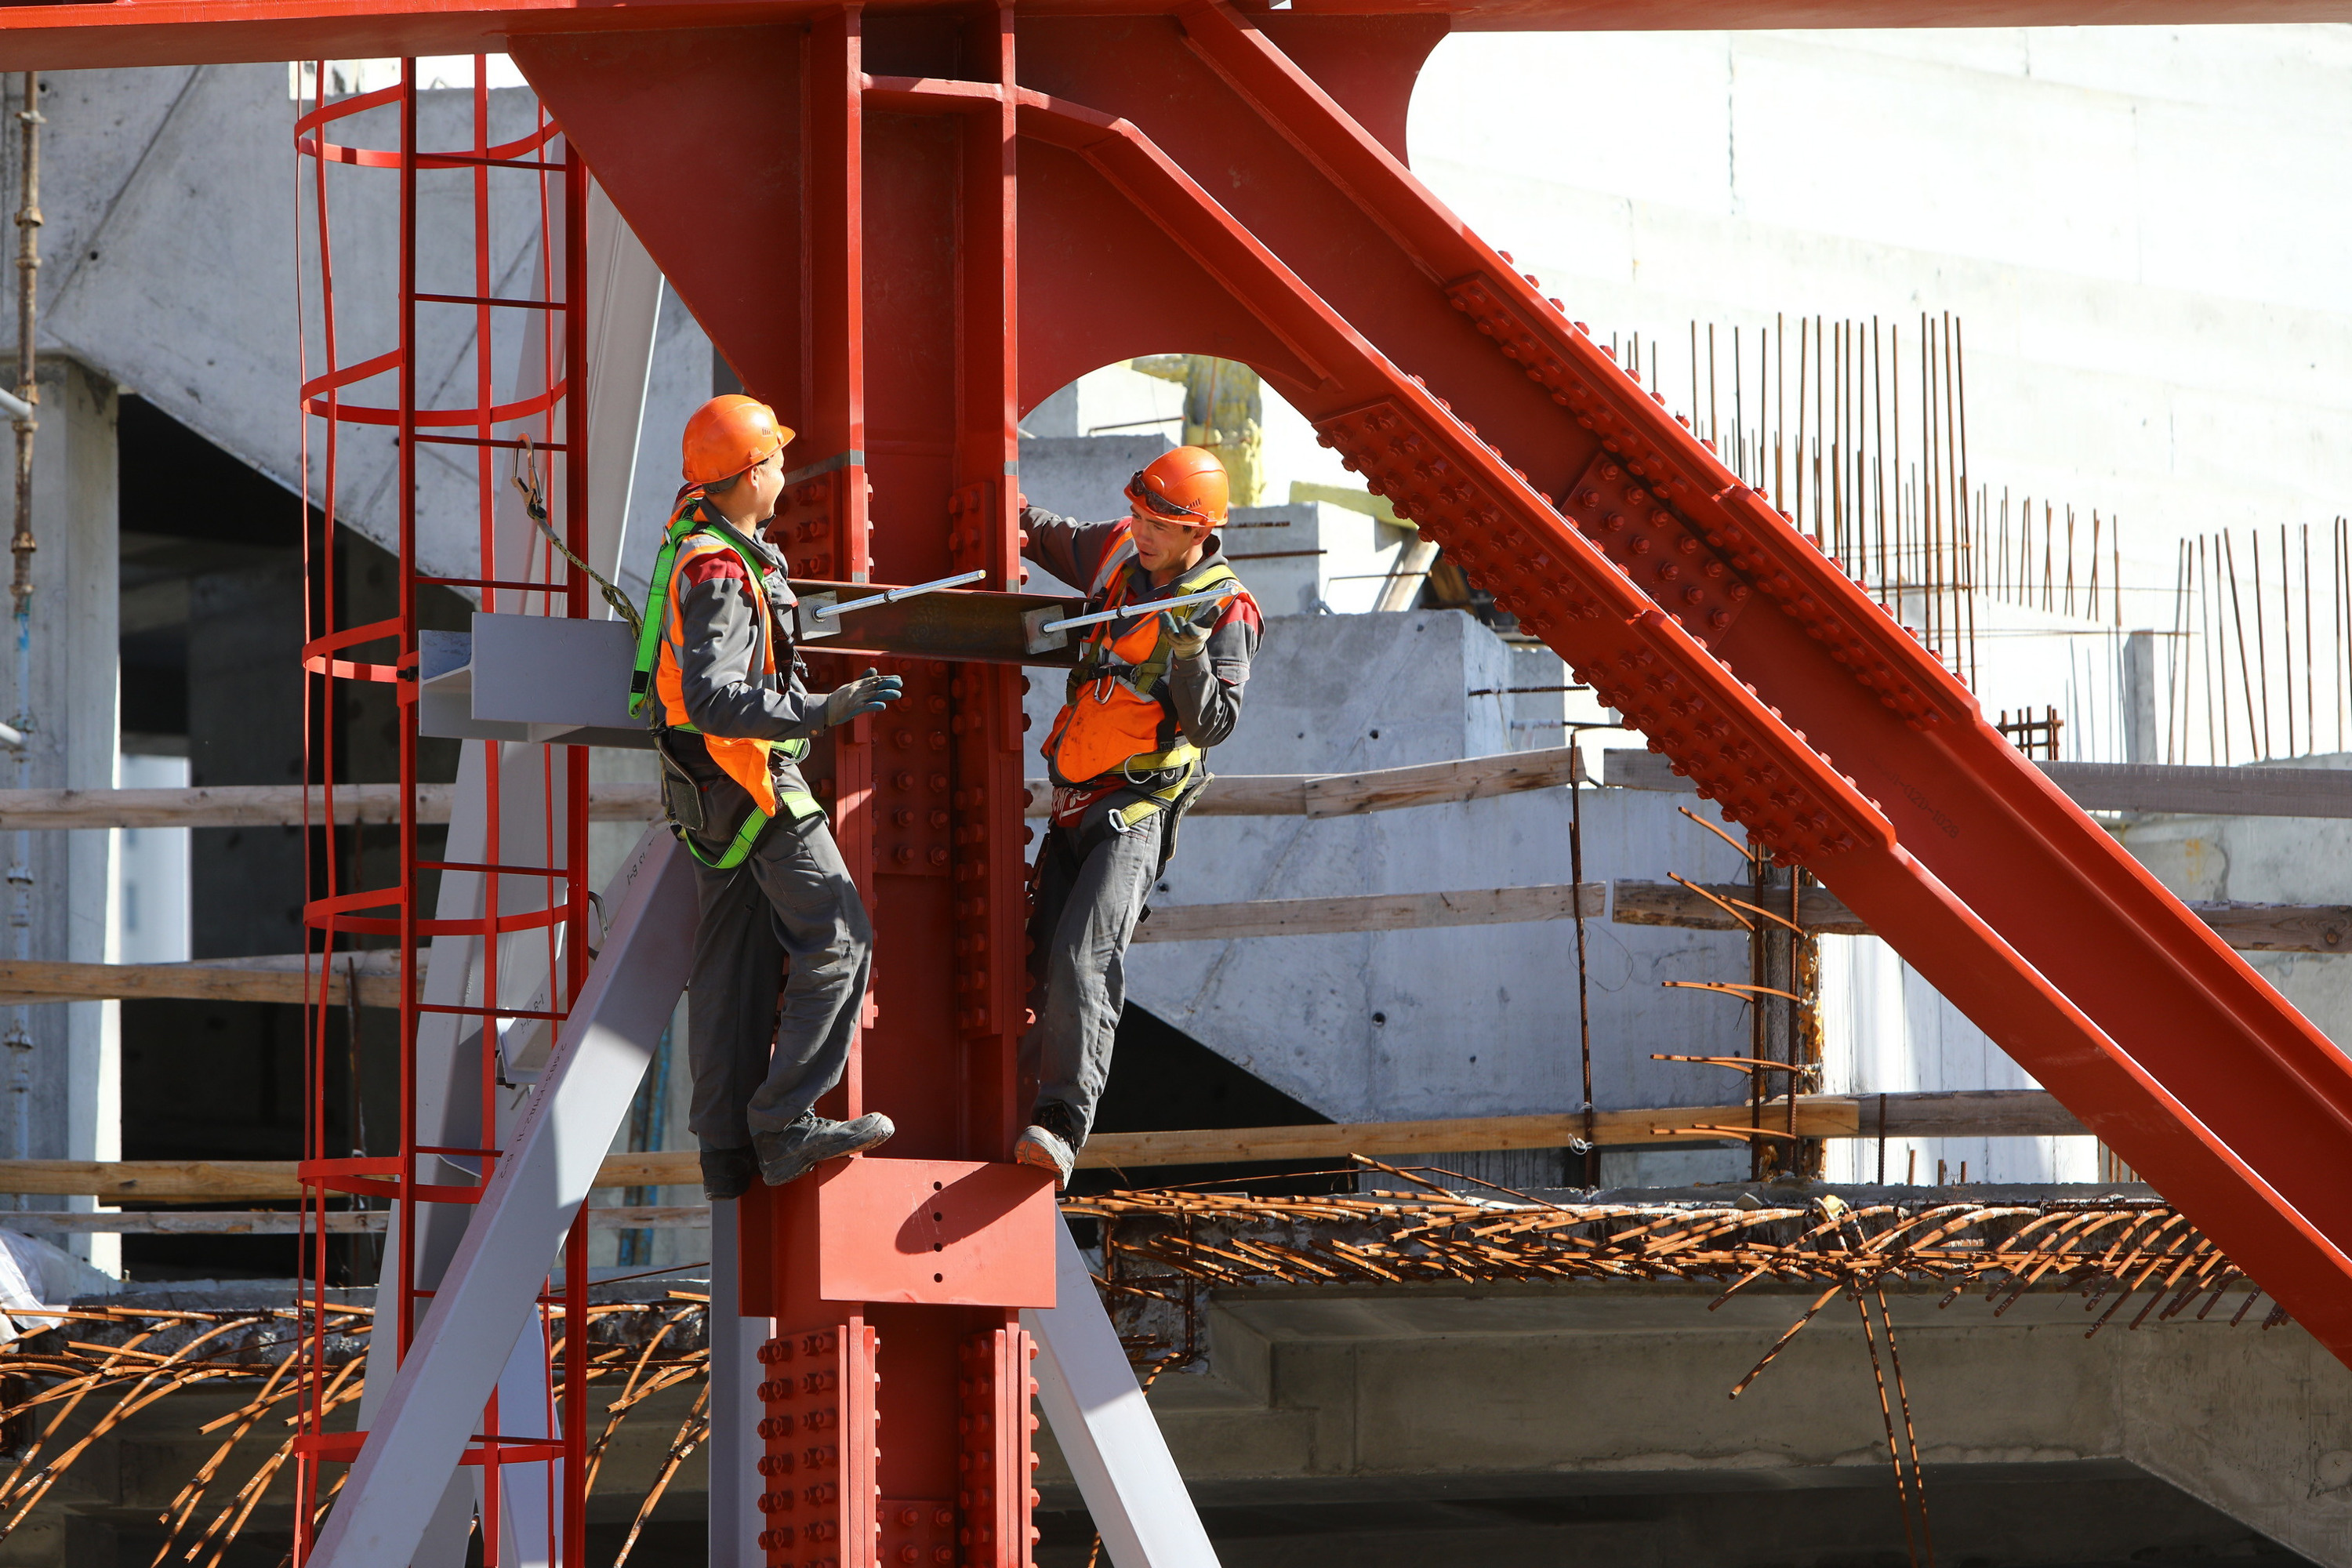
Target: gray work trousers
1092,883
758,1066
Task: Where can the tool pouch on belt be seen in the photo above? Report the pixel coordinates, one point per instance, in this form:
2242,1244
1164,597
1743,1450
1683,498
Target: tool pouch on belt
704,804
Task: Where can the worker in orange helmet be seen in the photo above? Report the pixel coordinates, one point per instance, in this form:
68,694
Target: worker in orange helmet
1151,692
720,686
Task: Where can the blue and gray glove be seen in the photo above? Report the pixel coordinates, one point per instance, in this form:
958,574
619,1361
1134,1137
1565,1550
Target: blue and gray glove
869,693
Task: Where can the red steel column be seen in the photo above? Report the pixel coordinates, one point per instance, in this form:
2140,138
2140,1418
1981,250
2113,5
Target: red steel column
819,1420
880,321
991,869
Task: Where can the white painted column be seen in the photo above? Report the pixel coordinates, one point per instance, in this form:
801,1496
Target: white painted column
72,1103
734,1446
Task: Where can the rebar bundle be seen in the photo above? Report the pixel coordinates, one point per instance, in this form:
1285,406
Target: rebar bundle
65,1388
2112,1251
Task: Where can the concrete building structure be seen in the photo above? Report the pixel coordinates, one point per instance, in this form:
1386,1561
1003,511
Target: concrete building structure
1551,1422
2128,345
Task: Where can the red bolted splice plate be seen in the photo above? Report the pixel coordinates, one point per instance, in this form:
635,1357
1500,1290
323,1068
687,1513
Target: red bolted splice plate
948,1232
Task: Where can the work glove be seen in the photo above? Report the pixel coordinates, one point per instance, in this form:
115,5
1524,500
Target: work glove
1187,640
869,693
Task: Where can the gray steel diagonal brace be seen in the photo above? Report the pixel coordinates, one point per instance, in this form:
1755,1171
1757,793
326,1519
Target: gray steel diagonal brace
1105,1430
488,1291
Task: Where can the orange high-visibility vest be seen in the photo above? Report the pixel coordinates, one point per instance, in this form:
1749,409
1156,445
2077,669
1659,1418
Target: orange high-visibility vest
692,536
1118,717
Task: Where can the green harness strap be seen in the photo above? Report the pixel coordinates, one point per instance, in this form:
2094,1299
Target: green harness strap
798,802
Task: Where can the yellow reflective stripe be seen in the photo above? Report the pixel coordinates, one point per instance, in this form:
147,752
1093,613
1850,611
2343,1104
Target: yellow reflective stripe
1158,800
1175,756
738,851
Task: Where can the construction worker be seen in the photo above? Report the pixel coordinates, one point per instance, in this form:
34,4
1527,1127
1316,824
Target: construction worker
1152,691
719,684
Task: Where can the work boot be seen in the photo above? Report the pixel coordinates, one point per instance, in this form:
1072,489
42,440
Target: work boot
727,1173
1050,1144
799,1149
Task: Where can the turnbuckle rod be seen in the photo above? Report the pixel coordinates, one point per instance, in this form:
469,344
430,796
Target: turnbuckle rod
895,594
1221,591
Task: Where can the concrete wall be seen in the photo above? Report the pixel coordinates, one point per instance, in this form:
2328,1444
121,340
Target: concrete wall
171,196
2264,860
1462,1021
2141,226
1313,558
1081,477
1616,1392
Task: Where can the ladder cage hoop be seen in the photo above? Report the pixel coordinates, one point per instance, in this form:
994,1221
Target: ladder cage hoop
473,317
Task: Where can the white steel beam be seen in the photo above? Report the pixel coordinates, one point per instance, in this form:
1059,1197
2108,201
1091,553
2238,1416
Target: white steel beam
491,1284
734,1449
1105,1429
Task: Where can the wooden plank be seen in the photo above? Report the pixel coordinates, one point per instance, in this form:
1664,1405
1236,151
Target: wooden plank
1235,794
2281,928
165,1181
1993,1113
1672,904
2217,792
42,981
1370,912
1232,794
2249,927
1382,789
1967,1113
157,1180
651,1168
2109,786
1431,784
280,979
270,805
1996,1113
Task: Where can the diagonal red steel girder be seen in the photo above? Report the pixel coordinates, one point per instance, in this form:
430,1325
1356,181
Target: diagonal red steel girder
1750,597
1744,654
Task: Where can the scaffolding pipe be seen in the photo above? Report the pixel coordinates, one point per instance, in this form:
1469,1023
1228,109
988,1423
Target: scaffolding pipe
21,408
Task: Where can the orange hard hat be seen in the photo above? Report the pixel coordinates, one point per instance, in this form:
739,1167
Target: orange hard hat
1187,485
728,436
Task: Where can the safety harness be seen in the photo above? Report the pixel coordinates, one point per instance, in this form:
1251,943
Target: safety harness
744,761
1115,717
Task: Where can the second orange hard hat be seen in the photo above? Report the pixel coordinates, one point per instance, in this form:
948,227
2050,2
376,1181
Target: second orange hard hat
1187,486
728,436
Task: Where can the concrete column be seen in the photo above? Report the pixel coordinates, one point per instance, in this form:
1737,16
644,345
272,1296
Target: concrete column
65,1074
2143,731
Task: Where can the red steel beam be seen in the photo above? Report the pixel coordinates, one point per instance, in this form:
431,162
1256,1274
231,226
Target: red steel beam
2019,908
40,36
